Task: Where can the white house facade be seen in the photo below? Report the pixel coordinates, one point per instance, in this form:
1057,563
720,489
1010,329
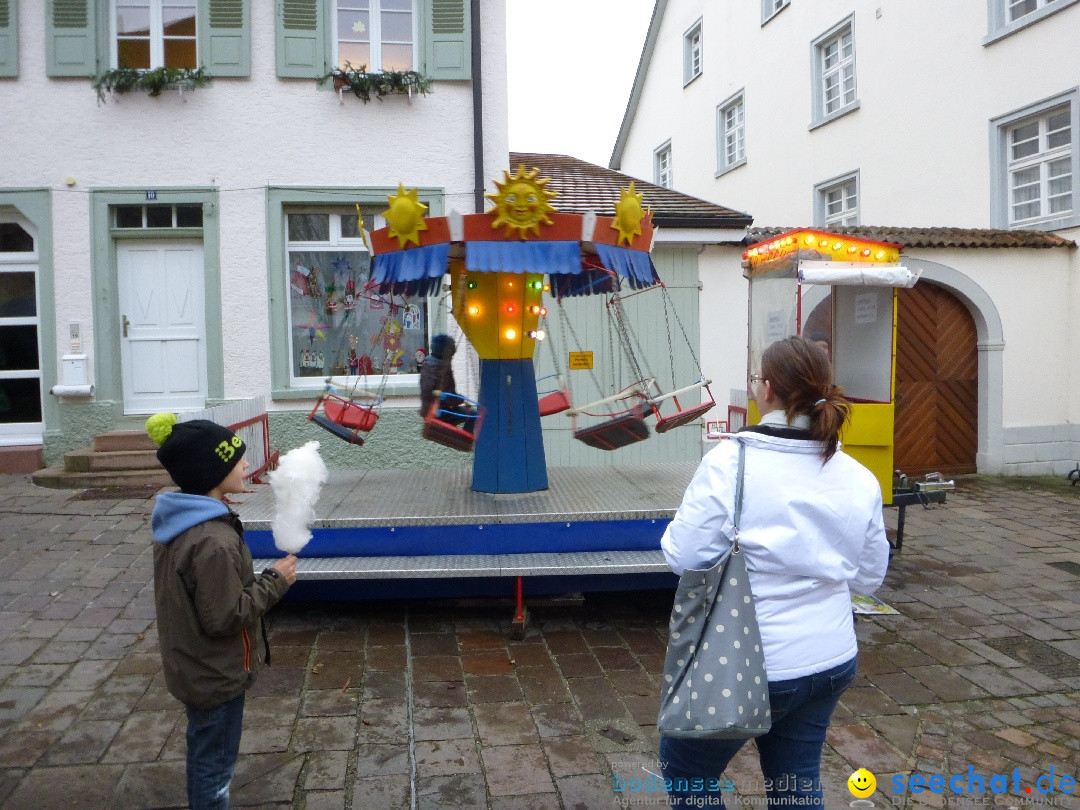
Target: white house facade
913,118
176,250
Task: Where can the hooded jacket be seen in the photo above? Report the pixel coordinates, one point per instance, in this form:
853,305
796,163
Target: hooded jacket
209,601
813,534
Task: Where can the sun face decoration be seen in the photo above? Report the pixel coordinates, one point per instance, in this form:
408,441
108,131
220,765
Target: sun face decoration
522,202
628,214
405,216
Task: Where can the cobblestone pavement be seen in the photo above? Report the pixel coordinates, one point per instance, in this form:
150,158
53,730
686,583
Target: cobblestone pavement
430,704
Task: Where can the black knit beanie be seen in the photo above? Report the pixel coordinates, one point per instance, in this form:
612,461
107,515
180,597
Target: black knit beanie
198,454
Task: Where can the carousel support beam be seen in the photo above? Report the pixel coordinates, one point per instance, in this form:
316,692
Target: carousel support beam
509,451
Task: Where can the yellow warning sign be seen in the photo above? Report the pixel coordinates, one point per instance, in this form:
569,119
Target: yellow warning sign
580,360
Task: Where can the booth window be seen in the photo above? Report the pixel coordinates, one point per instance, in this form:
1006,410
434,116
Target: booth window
836,202
692,53
154,33
339,325
834,89
1037,166
662,166
378,34
731,131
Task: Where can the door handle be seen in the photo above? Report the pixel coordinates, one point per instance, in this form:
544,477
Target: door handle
126,324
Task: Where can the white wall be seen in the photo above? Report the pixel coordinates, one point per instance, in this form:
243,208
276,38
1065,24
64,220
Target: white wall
927,86
238,135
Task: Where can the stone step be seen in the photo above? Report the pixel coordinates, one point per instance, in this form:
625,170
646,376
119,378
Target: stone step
93,460
119,440
59,478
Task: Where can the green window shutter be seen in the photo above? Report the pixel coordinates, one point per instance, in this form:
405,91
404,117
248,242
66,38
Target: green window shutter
9,39
446,30
301,39
225,37
71,37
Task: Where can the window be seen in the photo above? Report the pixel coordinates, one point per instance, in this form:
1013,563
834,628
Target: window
662,166
157,216
83,37
1036,166
770,8
340,326
20,355
154,33
836,201
834,74
692,53
1009,16
377,33
731,134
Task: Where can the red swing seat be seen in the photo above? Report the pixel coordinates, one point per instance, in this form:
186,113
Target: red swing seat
344,418
683,417
446,434
555,402
626,428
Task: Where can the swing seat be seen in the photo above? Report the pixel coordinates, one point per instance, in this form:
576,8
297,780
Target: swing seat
351,415
555,402
351,436
627,428
683,417
446,434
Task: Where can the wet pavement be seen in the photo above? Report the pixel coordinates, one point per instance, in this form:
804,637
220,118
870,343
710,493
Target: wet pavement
432,704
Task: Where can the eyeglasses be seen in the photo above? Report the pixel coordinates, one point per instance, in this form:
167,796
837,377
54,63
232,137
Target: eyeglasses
756,378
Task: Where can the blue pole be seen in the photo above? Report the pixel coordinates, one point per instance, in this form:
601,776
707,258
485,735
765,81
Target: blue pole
509,451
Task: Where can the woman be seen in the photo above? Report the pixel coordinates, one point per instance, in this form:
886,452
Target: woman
812,532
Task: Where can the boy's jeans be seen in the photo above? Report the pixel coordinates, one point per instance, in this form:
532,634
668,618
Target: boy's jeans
213,743
790,753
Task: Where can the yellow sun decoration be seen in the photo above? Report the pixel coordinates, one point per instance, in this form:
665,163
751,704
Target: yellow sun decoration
628,214
405,216
522,202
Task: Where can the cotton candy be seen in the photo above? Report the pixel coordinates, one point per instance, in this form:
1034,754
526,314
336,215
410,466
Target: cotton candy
296,484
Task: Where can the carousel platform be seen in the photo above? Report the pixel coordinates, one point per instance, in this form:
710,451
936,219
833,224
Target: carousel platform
594,527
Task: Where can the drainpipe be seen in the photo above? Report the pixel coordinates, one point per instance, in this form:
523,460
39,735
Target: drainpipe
478,111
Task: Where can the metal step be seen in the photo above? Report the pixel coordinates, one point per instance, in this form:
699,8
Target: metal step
479,565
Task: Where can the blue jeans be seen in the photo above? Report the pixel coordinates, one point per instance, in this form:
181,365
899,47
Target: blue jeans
790,753
213,743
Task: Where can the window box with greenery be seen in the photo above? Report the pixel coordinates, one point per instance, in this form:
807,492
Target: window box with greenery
365,85
124,80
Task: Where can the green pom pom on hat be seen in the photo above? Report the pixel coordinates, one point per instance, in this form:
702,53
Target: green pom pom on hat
159,427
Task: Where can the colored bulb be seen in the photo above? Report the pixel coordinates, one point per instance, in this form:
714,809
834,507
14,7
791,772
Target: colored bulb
510,334
866,252
474,310
539,334
543,311
471,285
880,255
809,240
547,288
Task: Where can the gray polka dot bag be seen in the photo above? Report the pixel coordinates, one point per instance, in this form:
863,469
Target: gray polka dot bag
714,674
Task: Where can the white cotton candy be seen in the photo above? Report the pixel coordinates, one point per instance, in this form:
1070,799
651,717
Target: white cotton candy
296,484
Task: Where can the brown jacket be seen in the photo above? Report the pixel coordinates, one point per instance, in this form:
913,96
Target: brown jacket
209,609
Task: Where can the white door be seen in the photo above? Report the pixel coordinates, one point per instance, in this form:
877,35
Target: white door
163,328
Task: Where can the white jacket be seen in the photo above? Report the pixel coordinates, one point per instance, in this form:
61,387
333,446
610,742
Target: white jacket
812,534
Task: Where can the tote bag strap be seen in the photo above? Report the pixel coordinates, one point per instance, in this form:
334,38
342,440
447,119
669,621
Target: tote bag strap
739,495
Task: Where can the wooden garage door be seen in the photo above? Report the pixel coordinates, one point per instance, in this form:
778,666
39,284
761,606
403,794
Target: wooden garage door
936,383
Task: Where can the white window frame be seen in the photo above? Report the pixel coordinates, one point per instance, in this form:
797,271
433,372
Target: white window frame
662,174
725,162
821,72
375,37
1002,166
157,35
999,24
24,433
770,8
822,217
692,53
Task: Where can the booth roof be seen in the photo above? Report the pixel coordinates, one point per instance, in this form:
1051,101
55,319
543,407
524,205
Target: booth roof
584,186
934,237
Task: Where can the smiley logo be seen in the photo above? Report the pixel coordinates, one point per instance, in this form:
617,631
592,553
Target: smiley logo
861,783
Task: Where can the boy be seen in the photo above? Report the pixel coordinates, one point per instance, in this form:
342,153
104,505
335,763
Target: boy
209,603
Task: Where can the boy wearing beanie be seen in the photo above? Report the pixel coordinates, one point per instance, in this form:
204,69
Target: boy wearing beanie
209,603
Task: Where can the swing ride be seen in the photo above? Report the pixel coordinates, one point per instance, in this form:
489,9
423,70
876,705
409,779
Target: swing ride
578,522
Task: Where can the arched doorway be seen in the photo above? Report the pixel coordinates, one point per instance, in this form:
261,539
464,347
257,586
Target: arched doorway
936,383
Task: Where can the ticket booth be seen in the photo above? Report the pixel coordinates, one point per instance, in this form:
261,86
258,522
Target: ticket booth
841,292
